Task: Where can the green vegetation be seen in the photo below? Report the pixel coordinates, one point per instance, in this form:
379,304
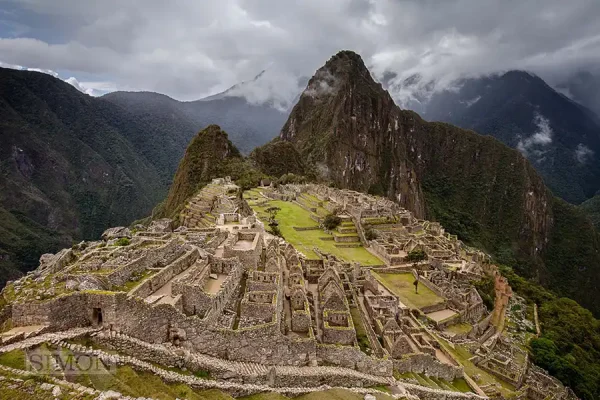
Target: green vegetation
331,222
569,347
106,167
13,359
459,328
486,290
209,155
123,242
370,234
592,209
402,286
416,256
278,158
134,280
458,385
292,215
361,333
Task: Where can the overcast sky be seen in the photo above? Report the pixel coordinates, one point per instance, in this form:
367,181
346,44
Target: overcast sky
191,48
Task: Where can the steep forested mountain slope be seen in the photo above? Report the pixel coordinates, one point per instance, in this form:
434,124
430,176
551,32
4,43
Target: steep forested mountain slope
70,166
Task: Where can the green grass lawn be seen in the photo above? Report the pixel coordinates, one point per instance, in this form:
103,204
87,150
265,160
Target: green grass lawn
293,215
13,359
402,286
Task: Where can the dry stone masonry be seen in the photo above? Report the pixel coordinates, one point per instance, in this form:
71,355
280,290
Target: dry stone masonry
215,292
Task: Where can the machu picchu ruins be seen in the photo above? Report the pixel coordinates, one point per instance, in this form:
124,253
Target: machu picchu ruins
382,304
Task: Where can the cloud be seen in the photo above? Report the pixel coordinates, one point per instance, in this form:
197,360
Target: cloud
583,153
324,83
534,145
190,49
275,86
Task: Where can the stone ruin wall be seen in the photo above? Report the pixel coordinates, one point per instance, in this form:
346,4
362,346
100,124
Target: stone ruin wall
249,258
150,285
152,257
206,305
353,358
428,365
264,344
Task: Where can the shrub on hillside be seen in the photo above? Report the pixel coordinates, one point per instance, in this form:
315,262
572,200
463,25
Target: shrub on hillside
122,242
370,234
331,222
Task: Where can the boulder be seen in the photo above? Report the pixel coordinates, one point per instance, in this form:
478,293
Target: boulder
46,258
213,276
162,225
116,233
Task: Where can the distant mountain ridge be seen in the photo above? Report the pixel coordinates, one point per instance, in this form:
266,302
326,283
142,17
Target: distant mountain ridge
250,112
560,137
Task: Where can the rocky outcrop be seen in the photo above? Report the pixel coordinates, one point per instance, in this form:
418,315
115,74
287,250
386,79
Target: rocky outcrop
116,233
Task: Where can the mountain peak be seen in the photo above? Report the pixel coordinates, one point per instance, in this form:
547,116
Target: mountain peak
345,67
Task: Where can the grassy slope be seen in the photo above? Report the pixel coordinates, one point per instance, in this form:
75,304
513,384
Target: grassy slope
293,215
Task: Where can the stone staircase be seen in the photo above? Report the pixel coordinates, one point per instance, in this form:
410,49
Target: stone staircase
346,232
48,337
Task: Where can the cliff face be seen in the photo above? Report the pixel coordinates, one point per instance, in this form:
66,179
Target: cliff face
348,126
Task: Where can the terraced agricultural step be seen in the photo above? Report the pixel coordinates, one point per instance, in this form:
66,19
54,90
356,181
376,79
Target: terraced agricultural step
346,229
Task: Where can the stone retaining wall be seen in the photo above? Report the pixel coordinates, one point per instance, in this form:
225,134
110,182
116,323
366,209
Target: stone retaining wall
353,358
428,365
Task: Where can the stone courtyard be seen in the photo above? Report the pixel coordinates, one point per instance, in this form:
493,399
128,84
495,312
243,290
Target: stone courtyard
213,290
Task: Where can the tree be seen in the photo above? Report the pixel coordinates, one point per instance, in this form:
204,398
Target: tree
273,212
416,256
370,234
331,222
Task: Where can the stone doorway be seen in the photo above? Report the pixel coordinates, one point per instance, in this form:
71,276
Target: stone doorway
97,317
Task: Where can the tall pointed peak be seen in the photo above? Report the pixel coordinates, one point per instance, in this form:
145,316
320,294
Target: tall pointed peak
344,69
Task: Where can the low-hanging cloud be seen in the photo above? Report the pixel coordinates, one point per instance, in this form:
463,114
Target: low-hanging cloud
583,153
535,145
192,49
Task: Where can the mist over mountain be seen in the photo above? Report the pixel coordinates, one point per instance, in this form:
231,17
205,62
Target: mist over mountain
251,112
